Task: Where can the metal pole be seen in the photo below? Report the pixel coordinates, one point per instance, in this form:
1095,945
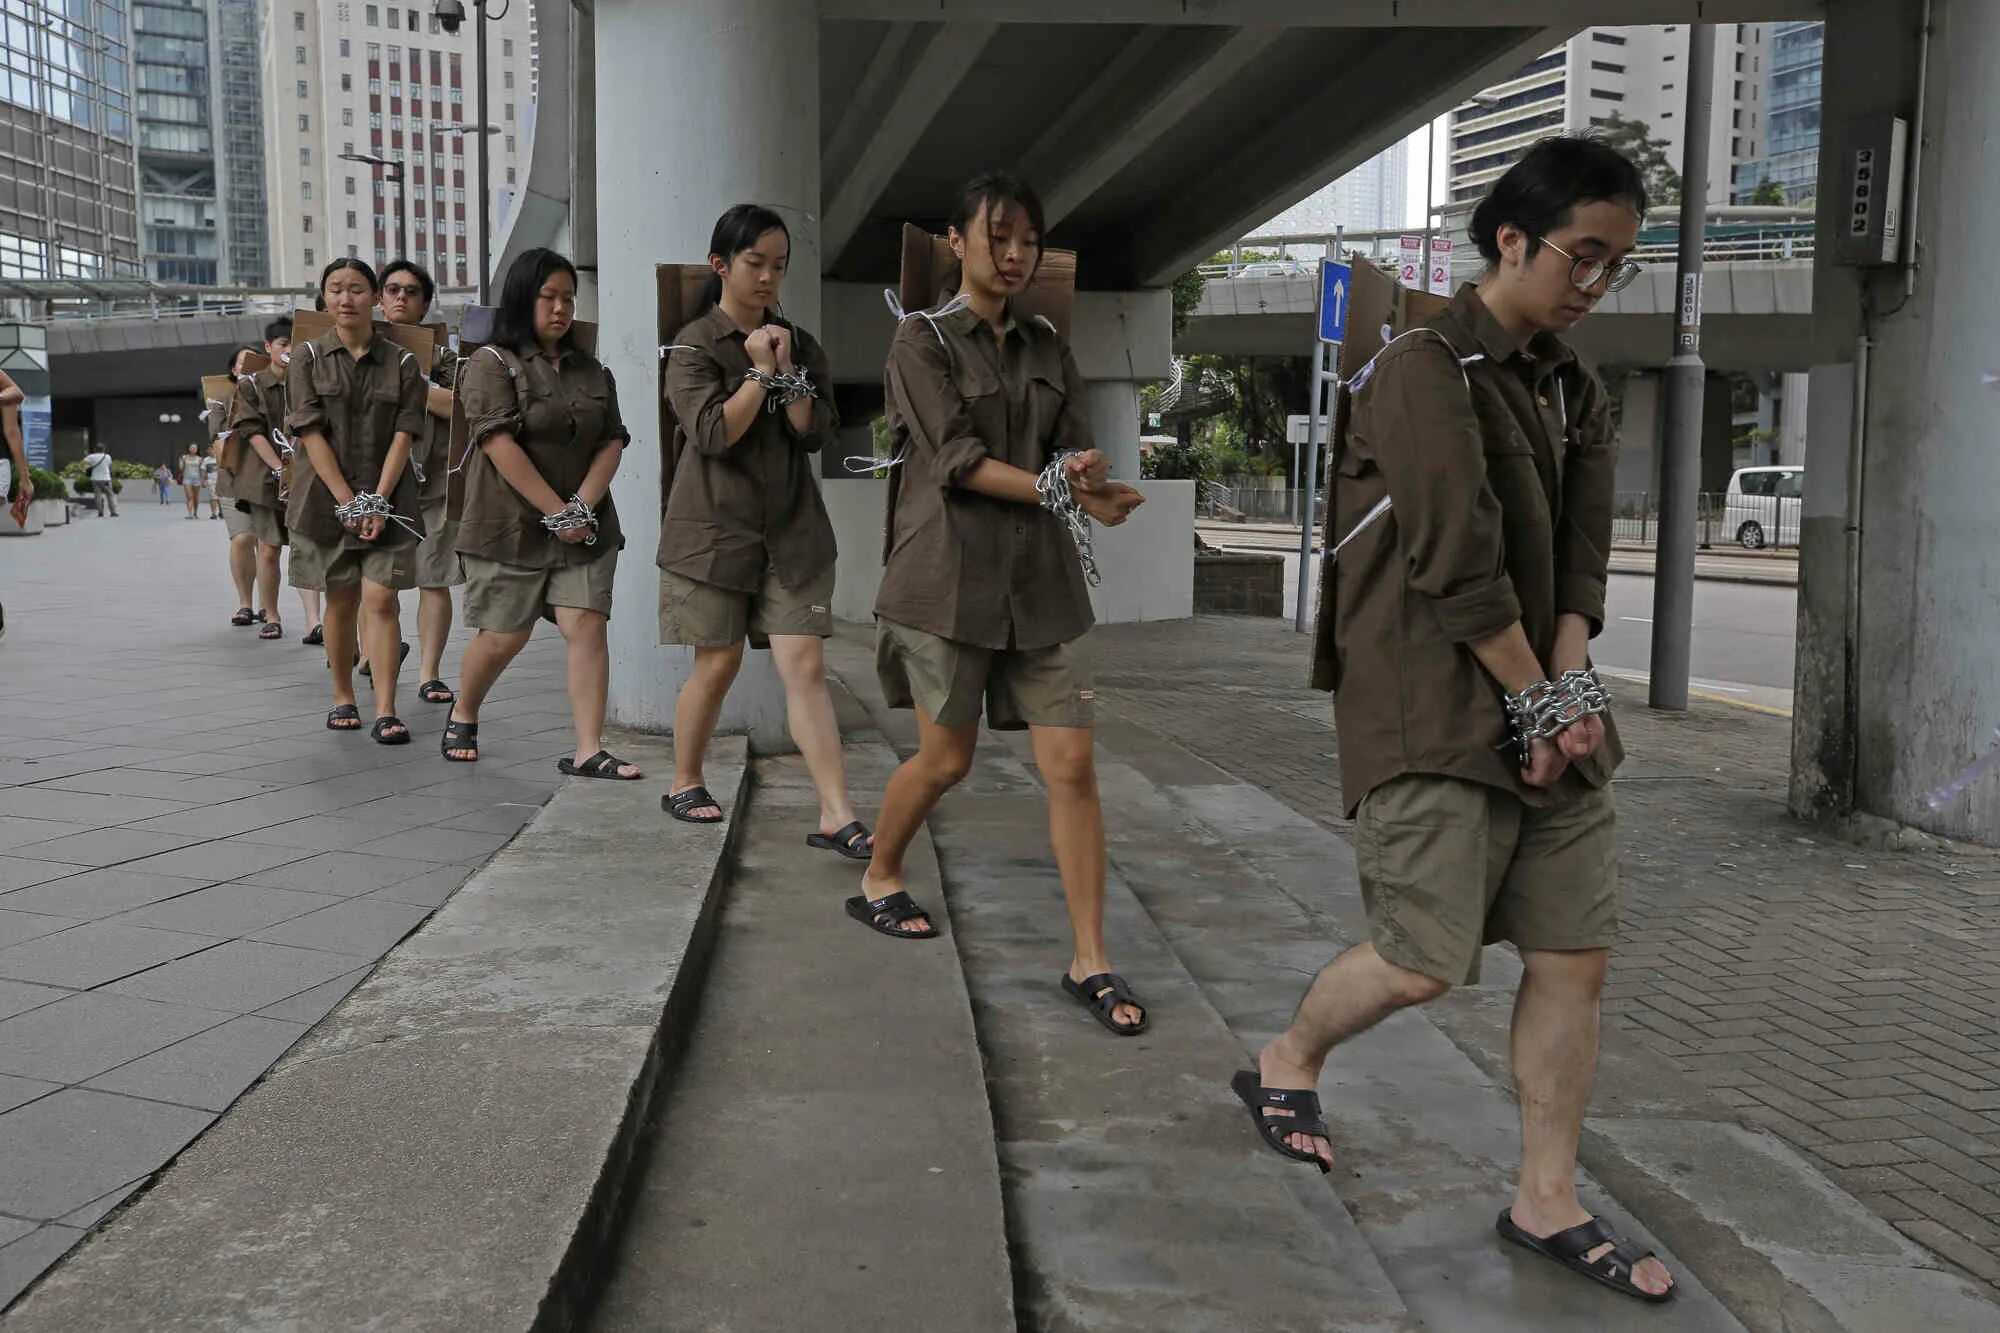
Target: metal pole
401,178
1309,483
1430,181
479,59
1680,471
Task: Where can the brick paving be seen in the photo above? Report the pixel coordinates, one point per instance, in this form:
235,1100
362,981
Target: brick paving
1846,1000
193,870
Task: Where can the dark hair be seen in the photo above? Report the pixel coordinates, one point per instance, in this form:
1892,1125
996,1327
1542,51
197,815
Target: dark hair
276,329
514,318
237,356
415,270
990,188
737,231
1539,192
349,261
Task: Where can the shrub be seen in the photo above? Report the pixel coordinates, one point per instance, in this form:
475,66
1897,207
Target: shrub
48,486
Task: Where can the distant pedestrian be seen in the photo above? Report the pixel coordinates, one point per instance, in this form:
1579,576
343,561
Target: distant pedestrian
191,478
99,463
164,480
211,465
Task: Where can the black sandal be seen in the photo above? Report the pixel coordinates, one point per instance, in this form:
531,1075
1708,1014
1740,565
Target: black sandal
436,692
272,630
851,842
314,636
460,736
603,764
694,798
1613,1268
887,916
1102,994
379,733
1275,1129
244,616
341,716
367,668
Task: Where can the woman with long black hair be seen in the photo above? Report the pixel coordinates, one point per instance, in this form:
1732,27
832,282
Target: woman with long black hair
746,549
355,405
539,536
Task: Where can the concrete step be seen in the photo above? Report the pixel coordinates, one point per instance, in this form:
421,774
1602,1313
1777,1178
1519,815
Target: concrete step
444,1151
824,1158
1136,1197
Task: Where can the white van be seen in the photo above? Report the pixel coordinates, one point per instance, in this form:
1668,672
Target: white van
1761,507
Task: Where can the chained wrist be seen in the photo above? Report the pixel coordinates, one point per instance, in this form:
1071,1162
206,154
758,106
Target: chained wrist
1547,708
782,388
571,517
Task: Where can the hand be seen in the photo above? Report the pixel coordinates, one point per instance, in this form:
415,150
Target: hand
24,493
763,355
577,536
1111,504
1546,763
781,345
1580,739
1088,471
370,528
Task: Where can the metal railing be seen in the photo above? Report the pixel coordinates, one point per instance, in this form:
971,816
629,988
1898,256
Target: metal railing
1752,522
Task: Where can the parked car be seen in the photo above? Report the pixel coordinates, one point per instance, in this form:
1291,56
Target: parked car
1762,505
1273,268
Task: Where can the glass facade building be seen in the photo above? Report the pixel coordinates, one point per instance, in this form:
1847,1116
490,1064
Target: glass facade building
1791,160
176,118
247,251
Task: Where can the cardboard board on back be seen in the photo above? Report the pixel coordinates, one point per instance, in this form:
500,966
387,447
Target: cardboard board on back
475,330
1376,302
930,277
680,291
417,339
216,391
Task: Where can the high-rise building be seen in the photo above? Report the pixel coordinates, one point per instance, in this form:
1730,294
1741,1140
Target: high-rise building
68,187
1637,73
1791,144
240,84
344,80
173,61
1368,198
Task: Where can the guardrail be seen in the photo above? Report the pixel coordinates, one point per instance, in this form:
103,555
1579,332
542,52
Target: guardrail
1754,522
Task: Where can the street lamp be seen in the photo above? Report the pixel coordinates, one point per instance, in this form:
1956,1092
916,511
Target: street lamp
1430,180
393,171
450,14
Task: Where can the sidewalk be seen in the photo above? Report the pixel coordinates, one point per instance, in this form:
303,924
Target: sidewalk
1842,999
193,871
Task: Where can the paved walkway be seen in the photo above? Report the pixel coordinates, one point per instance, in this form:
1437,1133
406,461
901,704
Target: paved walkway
1846,1000
192,869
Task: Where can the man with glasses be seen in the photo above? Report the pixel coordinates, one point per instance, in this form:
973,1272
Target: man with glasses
407,292
1476,751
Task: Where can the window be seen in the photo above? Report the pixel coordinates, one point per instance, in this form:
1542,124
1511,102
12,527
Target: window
1739,90
346,48
458,97
1607,95
1739,62
378,222
298,20
374,15
378,187
350,185
458,196
507,46
347,115
305,157
1742,32
374,87
510,111
374,120
510,143
306,224
305,124
298,55
1736,145
458,227
395,17
434,25
437,193
353,252
347,147
374,52
1609,38
510,175
347,83
1736,119
310,261
302,89
1668,59
1607,67
395,124
413,19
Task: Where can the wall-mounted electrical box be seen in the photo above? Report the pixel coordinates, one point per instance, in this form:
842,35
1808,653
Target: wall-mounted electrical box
1870,186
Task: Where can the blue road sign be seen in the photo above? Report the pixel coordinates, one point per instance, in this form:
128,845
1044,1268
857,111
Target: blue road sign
1335,282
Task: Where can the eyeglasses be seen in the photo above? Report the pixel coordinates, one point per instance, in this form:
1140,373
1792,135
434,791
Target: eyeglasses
403,291
1587,273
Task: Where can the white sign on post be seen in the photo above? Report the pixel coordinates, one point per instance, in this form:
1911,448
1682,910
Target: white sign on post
1440,281
1410,265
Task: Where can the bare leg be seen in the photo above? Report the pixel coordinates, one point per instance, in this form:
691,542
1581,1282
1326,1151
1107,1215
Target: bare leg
193,498
381,628
433,628
1555,1062
343,614
1350,995
486,656
243,567
267,580
695,711
1076,834
801,662
309,603
589,662
943,758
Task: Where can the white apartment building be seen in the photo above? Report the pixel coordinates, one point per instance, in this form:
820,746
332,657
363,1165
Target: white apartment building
341,78
1372,197
1637,73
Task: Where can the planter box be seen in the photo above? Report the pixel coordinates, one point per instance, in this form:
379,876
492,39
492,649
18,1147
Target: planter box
1239,583
54,513
9,528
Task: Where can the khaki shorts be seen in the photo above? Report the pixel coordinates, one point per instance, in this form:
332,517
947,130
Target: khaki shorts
505,598
1016,687
319,567
269,525
238,521
701,615
437,559
1449,865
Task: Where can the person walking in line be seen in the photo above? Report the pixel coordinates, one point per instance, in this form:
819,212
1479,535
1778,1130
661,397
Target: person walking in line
99,463
539,536
163,480
407,292
1476,751
355,407
746,548
191,478
983,607
241,551
256,485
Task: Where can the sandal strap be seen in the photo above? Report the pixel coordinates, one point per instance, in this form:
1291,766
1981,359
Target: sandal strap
1301,1102
898,907
346,711
453,727
1581,1239
852,836
694,798
600,762
1108,990
382,724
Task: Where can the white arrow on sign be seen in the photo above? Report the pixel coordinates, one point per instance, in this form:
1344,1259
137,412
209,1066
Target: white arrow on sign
1339,302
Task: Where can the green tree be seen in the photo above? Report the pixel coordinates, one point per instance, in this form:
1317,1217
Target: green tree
1636,140
1187,295
1768,191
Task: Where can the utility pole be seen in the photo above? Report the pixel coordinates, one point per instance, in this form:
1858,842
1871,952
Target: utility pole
393,171
1680,464
485,241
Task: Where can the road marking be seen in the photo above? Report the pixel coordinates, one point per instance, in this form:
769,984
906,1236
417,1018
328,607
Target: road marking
1637,620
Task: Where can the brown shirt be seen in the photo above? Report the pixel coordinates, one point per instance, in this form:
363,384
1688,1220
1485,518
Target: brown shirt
434,451
735,510
561,410
959,564
256,408
1502,511
359,403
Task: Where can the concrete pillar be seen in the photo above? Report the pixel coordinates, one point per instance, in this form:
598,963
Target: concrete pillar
700,104
1925,684
1114,424
1640,422
1793,395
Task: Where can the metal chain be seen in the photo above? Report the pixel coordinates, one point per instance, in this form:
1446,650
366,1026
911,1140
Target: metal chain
1548,708
1058,498
572,516
784,387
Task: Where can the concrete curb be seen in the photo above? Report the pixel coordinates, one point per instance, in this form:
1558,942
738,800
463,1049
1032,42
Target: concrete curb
449,1148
